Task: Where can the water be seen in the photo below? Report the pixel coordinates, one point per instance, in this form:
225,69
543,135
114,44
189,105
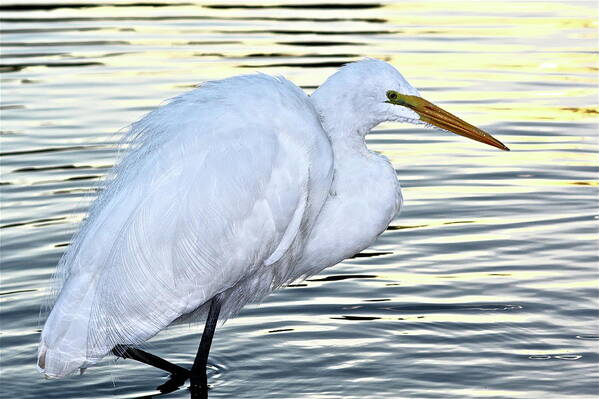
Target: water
486,286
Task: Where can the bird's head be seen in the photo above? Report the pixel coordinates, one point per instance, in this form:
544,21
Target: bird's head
365,93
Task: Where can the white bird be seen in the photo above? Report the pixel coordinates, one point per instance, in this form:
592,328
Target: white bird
225,193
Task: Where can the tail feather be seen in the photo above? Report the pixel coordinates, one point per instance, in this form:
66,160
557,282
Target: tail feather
64,347
55,363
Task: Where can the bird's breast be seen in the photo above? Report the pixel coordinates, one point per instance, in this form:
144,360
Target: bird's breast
364,199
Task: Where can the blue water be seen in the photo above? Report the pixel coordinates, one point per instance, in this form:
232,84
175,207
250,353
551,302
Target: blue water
486,285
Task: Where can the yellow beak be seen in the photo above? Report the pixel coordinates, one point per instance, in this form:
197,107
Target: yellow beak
434,115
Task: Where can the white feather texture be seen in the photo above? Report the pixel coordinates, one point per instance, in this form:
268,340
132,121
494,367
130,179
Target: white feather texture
237,187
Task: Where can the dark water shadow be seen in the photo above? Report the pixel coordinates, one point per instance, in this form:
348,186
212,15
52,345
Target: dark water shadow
307,55
18,67
57,149
318,43
65,44
187,17
46,30
328,64
17,292
325,6
34,223
57,167
309,6
307,32
31,55
370,254
356,318
343,277
50,7
11,106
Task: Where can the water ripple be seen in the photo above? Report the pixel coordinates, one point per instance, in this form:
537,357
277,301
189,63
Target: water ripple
485,285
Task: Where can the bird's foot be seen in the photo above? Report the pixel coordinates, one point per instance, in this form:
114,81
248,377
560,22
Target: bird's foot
173,383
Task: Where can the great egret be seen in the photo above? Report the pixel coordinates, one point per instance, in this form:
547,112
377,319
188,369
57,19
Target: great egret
226,192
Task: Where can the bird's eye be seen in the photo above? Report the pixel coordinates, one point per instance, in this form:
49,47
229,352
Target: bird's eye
391,95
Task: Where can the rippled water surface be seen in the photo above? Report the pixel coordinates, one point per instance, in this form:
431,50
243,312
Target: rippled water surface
486,286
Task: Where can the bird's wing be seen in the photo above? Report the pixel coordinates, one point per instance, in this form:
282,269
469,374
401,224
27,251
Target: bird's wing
187,217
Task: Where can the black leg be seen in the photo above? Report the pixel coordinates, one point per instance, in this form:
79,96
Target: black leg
197,375
127,352
173,383
198,379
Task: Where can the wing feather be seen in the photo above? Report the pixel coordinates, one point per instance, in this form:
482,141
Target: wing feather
202,200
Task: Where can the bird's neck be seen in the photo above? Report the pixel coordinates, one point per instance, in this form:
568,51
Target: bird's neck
347,132
343,120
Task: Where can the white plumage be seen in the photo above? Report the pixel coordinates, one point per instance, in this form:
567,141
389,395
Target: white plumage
237,187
